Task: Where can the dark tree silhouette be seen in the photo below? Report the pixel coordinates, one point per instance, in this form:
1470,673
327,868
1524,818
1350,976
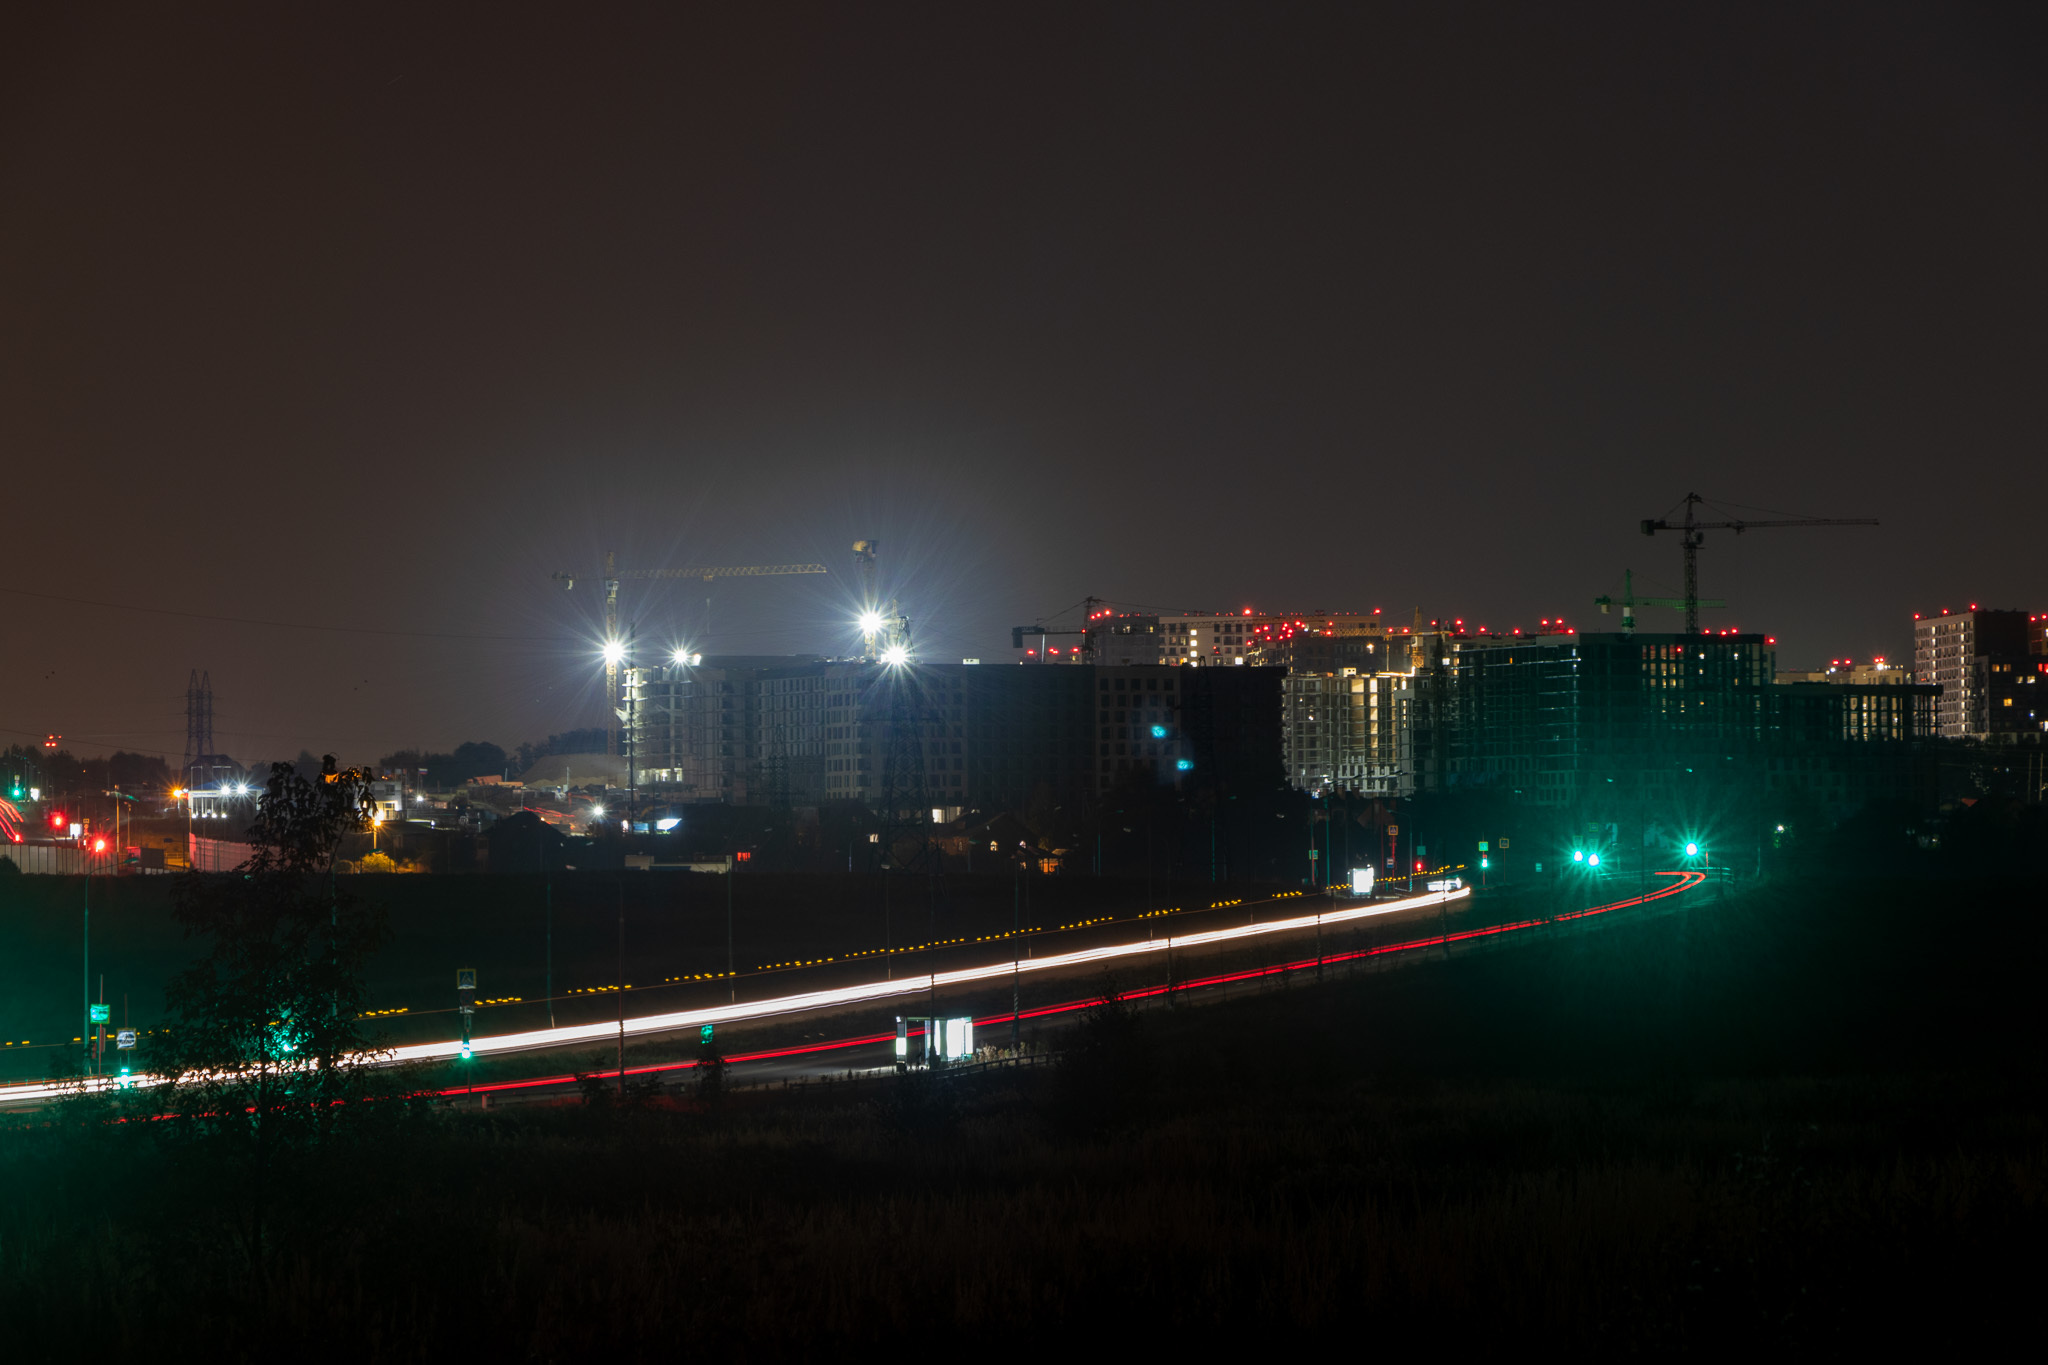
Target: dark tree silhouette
265,1063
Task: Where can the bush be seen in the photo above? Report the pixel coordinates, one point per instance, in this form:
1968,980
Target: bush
1105,1071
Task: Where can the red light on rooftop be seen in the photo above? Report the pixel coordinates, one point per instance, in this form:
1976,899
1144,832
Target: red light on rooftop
1973,606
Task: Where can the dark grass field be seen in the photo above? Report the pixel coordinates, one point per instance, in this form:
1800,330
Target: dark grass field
1809,1117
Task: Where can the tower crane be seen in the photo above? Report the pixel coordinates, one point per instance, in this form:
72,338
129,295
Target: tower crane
1692,532
1629,602
1041,630
615,645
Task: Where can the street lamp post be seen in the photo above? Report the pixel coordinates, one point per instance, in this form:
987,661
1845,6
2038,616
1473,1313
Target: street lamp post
1016,949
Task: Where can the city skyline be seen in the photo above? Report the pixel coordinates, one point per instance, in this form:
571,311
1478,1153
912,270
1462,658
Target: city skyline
304,323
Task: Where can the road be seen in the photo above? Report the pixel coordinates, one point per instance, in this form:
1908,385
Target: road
859,1054
854,1050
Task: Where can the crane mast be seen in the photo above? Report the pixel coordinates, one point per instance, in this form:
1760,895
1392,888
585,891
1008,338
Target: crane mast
1692,534
616,646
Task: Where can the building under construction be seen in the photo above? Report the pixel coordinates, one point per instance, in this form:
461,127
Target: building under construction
1589,721
804,732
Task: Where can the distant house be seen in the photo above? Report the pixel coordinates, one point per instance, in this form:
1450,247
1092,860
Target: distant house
526,843
576,770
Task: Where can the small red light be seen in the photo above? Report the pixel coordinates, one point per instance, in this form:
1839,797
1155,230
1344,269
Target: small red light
99,845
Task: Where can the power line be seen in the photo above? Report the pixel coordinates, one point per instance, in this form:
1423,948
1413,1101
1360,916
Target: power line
276,625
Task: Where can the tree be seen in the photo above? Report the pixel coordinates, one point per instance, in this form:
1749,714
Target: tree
265,1064
478,759
590,741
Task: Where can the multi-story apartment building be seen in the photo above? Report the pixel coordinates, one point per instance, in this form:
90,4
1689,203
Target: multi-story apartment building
1121,639
1990,684
1592,720
1229,638
804,732
1877,672
1343,731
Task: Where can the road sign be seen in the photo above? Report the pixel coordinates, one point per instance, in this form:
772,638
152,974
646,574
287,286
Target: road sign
99,1013
125,1038
704,1036
1503,845
1482,845
465,979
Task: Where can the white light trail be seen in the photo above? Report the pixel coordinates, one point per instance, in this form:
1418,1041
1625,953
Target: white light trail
843,995
911,985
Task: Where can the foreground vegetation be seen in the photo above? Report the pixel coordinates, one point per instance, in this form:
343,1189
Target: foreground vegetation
1810,1116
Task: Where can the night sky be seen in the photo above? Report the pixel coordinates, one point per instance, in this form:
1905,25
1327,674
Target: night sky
363,320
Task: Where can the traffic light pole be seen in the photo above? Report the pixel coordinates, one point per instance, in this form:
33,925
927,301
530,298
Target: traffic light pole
85,970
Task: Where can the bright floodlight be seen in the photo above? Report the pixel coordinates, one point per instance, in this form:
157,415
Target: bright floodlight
1578,855
241,789
870,622
614,650
1592,860
597,812
682,657
1692,850
896,655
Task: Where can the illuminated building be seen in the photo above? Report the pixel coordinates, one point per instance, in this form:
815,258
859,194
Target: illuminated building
1235,638
1991,683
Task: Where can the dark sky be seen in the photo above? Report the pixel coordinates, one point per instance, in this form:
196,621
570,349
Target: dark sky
365,318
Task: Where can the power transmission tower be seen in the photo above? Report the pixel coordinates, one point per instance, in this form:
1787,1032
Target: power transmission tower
198,722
